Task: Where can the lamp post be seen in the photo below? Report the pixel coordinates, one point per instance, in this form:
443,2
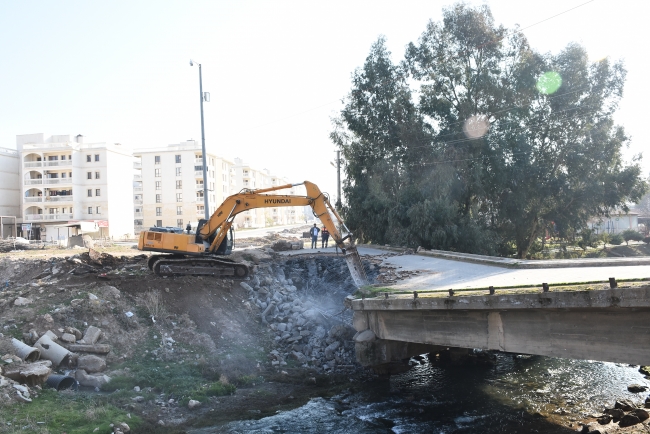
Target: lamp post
205,159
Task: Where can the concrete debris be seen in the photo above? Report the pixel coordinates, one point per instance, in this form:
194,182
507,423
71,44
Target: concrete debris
86,379
96,349
31,374
22,301
91,336
91,364
52,351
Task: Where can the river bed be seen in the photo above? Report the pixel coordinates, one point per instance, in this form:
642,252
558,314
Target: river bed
516,394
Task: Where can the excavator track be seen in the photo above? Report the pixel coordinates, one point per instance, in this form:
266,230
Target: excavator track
219,268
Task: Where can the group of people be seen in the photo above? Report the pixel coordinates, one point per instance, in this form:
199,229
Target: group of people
325,236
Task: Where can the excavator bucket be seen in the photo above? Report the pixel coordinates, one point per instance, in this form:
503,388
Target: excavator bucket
356,268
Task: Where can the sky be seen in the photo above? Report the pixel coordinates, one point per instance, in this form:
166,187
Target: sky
277,70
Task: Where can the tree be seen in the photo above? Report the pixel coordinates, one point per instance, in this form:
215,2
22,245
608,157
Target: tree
502,143
631,235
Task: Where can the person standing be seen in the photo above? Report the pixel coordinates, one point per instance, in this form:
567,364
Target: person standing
325,236
314,236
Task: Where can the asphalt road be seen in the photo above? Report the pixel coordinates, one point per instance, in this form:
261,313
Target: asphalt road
444,274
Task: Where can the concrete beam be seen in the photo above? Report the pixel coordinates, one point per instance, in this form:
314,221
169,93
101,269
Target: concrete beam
612,325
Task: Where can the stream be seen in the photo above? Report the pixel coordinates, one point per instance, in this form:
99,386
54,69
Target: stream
515,395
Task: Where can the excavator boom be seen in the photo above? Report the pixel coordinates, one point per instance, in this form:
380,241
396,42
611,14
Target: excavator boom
213,233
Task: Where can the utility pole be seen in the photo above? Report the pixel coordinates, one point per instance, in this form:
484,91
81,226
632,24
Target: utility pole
338,180
205,157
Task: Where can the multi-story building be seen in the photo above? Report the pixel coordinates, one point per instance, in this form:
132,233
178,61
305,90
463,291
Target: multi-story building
168,190
72,184
10,211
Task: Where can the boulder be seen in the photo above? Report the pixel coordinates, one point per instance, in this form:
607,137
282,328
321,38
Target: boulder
32,374
640,413
616,413
69,338
636,388
300,357
86,379
331,348
604,419
193,404
624,405
22,301
628,420
91,364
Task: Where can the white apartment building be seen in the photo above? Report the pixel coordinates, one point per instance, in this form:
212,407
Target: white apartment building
71,184
10,210
168,190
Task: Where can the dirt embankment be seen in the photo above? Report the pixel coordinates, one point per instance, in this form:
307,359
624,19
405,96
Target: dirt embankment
170,353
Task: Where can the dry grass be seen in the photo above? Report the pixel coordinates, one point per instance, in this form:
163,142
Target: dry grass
154,304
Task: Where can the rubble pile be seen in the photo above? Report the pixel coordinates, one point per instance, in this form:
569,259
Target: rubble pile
300,302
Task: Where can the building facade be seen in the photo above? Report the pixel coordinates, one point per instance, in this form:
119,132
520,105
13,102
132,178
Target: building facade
10,210
168,188
71,184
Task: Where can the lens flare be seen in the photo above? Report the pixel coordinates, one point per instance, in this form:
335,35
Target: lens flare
549,82
476,127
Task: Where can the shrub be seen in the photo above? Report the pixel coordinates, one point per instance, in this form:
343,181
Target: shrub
616,239
646,240
631,235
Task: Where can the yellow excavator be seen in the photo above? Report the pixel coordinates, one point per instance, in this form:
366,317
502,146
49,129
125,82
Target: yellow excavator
202,254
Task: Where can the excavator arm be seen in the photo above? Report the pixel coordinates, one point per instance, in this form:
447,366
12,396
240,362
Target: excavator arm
216,228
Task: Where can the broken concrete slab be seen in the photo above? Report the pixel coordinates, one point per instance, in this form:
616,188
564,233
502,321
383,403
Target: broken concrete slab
31,374
91,336
91,364
86,379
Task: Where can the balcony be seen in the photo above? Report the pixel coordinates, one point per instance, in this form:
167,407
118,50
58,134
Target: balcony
33,164
198,174
34,199
137,165
58,163
34,217
37,181
137,201
137,214
137,188
138,228
51,181
137,176
57,216
62,198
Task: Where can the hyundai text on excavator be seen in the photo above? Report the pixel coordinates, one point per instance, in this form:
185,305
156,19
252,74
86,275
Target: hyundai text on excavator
202,254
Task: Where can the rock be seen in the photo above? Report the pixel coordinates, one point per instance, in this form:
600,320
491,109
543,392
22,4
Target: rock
616,413
48,318
329,351
300,357
136,389
124,427
91,336
365,336
85,379
640,413
92,364
69,338
282,327
624,405
31,374
73,331
604,419
645,370
22,301
246,286
628,420
92,296
193,404
636,388
138,399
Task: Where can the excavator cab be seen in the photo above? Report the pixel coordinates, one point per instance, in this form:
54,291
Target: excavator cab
226,246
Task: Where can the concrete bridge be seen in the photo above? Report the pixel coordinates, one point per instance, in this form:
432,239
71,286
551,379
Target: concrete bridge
608,325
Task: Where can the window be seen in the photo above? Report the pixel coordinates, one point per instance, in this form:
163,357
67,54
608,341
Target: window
51,210
200,209
89,175
179,210
179,184
63,175
98,210
158,211
62,157
179,223
70,175
90,192
137,210
90,210
178,158
96,175
158,198
156,159
70,210
88,158
53,158
159,223
97,192
63,210
158,183
96,157
178,171
156,173
179,197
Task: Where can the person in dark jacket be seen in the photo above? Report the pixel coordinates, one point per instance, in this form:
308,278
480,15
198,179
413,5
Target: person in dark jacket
325,236
314,236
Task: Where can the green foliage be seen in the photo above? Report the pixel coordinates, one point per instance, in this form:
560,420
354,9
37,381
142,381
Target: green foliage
631,235
587,239
616,239
605,237
502,144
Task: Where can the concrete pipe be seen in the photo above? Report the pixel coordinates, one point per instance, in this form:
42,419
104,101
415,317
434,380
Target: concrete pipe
52,351
25,352
62,382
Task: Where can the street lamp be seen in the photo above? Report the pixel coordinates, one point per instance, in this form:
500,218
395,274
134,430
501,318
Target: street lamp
205,97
